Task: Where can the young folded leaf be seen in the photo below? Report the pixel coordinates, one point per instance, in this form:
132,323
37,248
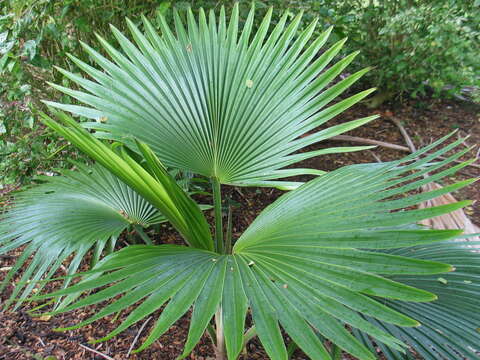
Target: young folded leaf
165,194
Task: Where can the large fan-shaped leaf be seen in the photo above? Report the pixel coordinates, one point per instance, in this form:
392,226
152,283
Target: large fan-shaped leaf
450,325
229,106
311,262
68,215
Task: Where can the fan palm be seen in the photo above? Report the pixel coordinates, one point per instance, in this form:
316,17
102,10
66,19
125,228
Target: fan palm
235,109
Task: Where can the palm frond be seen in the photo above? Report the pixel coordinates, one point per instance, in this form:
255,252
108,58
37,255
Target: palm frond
215,102
311,262
449,325
66,217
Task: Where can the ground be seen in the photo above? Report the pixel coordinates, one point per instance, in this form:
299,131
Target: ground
24,337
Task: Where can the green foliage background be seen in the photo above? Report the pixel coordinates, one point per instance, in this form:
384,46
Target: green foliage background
416,47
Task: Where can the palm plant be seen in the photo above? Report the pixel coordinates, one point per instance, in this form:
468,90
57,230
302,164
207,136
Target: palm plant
331,252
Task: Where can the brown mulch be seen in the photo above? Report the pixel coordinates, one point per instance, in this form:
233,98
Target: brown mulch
23,337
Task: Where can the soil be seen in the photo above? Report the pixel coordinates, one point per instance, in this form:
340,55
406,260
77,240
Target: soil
24,337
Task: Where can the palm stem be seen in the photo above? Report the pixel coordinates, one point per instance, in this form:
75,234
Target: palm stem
217,205
220,342
228,236
111,245
141,233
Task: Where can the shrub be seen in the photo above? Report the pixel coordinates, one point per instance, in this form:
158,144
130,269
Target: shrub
415,46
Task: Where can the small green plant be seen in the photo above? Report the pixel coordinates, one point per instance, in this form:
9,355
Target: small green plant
236,108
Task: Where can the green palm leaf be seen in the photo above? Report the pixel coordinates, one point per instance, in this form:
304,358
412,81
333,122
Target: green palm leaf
449,327
230,106
94,204
311,262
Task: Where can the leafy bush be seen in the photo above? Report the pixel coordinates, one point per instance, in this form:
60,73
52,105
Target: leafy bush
414,45
235,107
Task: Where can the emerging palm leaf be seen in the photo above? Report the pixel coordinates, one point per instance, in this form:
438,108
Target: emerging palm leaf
215,103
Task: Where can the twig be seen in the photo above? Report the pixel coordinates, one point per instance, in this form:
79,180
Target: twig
97,352
460,136
375,156
40,341
404,133
137,336
369,142
238,190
